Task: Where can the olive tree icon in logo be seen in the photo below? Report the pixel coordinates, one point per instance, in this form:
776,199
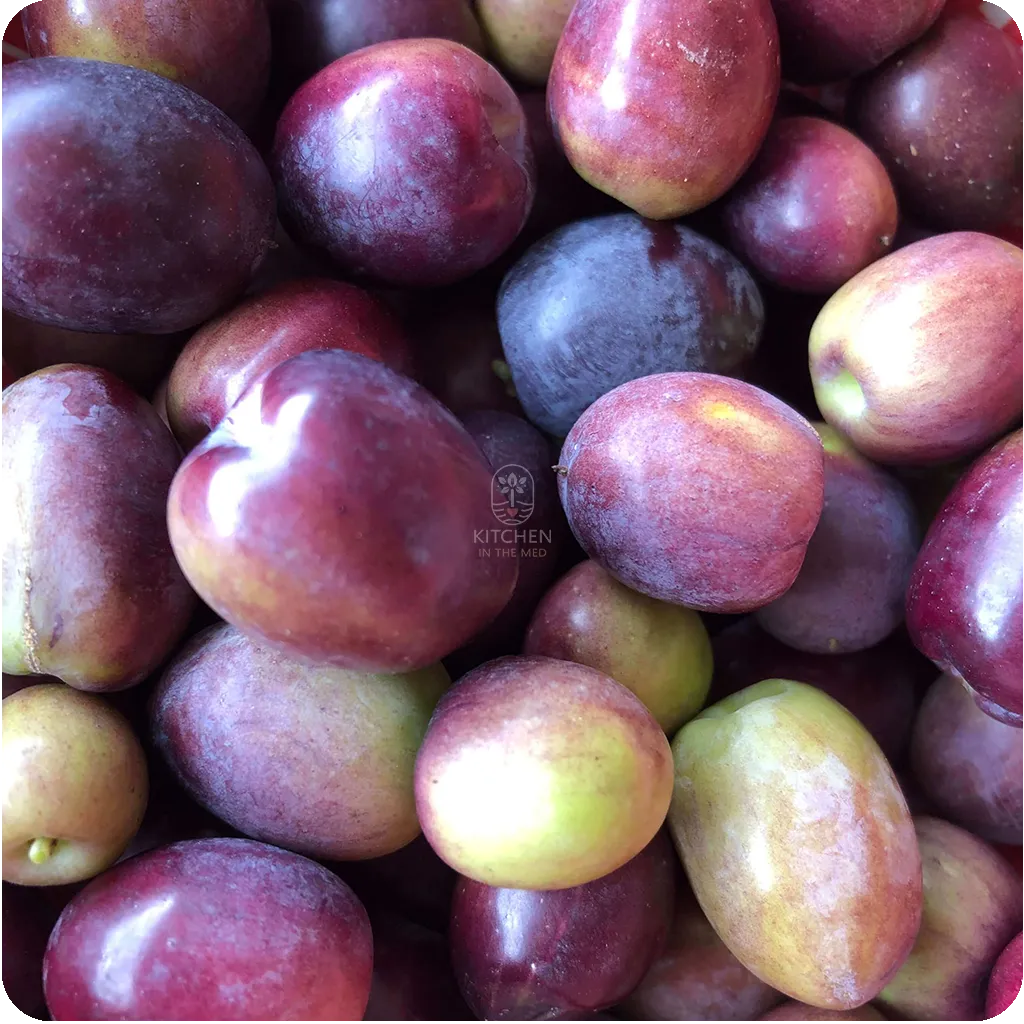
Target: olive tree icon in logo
512,495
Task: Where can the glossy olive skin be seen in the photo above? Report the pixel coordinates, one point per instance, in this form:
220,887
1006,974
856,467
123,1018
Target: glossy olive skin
569,336
522,955
647,102
826,40
919,358
92,593
310,34
221,51
226,355
849,594
333,514
878,685
450,182
965,595
520,730
696,977
226,929
814,209
945,117
791,825
185,219
968,764
731,544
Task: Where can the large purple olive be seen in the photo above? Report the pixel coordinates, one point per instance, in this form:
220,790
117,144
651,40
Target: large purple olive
529,955
965,595
130,203
945,117
408,161
606,300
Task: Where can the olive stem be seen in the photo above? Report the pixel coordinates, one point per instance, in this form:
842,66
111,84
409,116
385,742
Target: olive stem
40,850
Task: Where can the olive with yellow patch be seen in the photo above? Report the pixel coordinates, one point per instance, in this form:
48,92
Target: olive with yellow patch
220,50
918,359
541,774
75,785
798,842
92,593
695,489
524,33
663,103
316,759
659,651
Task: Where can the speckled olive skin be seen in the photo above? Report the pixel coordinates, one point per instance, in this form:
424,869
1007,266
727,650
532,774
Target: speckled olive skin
73,772
695,489
968,764
849,594
972,908
877,686
226,355
606,300
658,650
518,733
815,208
918,359
184,219
315,759
91,591
798,842
826,40
221,50
310,34
522,955
226,929
333,515
793,1010
523,34
696,977
661,103
945,117
407,161
965,595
